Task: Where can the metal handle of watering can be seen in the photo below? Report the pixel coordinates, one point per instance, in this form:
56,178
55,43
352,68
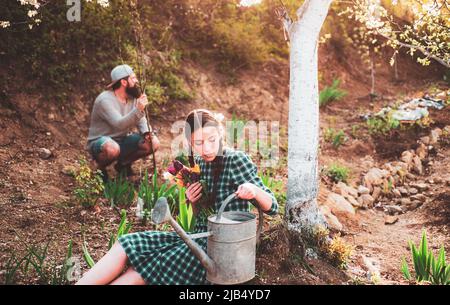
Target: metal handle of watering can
260,214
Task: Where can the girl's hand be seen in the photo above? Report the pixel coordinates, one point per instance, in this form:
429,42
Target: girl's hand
246,191
194,192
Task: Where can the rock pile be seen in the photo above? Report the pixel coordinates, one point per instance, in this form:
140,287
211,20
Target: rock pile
394,187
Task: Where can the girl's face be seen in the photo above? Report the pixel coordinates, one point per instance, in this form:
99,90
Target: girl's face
206,142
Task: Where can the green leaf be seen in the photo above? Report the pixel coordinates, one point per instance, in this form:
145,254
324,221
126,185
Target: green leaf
69,250
405,269
87,257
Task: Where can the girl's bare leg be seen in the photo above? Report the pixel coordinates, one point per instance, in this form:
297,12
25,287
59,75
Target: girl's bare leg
107,268
130,277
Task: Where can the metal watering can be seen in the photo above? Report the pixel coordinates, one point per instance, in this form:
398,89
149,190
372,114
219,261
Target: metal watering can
232,238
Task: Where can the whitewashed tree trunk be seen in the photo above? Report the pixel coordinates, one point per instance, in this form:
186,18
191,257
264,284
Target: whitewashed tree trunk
302,213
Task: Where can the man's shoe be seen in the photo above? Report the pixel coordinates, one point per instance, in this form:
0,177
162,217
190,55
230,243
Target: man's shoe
104,175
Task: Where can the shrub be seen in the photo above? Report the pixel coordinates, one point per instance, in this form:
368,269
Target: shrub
335,249
338,172
382,125
336,138
331,93
89,185
427,267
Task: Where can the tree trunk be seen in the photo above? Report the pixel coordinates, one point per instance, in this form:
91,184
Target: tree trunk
302,213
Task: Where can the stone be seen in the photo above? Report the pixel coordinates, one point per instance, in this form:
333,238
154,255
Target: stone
389,220
338,204
332,221
421,186
434,135
397,193
376,193
402,166
405,201
425,140
419,197
437,180
407,157
393,209
44,153
345,190
413,191
403,191
410,176
366,201
374,176
414,205
417,165
422,151
363,190
353,202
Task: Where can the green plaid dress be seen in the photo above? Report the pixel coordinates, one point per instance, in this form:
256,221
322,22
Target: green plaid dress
162,258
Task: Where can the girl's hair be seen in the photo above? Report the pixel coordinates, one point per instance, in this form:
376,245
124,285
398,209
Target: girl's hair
200,118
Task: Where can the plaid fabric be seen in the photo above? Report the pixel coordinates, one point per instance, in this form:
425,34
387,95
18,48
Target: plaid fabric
162,257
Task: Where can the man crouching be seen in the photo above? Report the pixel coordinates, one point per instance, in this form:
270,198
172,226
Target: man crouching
115,113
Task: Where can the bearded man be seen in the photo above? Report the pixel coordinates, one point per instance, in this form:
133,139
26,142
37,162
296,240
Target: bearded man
116,112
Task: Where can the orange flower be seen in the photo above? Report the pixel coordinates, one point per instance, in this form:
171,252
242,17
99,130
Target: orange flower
195,169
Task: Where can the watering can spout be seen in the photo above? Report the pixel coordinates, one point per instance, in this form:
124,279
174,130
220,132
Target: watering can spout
161,214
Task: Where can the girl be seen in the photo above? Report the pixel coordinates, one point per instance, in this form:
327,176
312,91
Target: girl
162,257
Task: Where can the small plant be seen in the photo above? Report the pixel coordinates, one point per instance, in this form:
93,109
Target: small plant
332,93
36,256
185,218
335,249
276,186
427,267
89,185
119,192
338,172
336,138
355,132
124,228
151,191
382,125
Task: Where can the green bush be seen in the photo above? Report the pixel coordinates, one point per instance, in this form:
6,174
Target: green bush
89,185
382,125
331,93
427,267
338,172
336,138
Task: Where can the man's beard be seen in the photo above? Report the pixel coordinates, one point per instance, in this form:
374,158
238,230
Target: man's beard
134,91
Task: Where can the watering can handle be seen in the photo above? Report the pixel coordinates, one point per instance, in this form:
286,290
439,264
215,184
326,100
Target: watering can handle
260,212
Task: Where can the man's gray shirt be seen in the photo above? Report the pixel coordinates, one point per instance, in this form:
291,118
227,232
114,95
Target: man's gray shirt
114,119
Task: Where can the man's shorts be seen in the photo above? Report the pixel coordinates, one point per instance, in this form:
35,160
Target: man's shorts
128,145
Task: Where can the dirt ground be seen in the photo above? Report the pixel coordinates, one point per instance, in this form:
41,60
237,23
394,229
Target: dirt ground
37,205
